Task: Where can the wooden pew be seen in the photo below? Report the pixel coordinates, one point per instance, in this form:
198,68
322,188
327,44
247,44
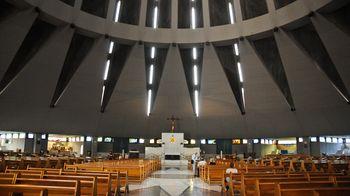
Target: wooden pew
53,186
105,180
323,191
7,189
24,185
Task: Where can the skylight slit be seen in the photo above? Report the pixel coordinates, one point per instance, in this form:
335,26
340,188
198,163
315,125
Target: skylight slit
117,12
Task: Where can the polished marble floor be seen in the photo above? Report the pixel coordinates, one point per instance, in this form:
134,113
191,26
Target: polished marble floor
174,181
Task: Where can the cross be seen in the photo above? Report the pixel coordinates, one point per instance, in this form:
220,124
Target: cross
173,119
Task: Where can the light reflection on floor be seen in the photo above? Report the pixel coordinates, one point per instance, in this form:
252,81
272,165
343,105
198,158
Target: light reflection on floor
174,181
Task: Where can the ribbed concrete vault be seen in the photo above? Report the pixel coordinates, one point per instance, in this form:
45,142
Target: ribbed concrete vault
260,102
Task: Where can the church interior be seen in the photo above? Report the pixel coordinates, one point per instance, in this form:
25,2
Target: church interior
222,97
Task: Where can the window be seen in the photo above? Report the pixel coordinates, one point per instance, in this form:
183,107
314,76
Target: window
245,141
99,139
43,136
328,140
211,141
15,136
30,135
300,140
203,141
133,141
193,141
340,140
236,141
88,138
151,141
256,141
141,141
22,135
313,139
334,140
322,139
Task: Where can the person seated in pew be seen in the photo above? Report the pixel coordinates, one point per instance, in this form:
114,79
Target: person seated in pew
212,161
229,170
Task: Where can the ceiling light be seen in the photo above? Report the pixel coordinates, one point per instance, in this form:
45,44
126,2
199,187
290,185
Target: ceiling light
117,11
196,105
231,13
193,18
155,17
149,102
240,72
151,70
236,49
111,46
103,93
194,53
195,75
106,69
243,96
153,52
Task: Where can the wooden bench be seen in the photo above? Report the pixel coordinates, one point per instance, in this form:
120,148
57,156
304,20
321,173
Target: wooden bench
328,191
39,185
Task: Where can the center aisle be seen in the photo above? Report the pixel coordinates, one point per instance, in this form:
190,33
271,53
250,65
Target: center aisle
174,181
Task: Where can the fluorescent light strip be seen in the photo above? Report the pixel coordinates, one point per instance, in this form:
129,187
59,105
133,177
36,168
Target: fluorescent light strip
243,97
151,70
193,18
117,11
103,93
153,52
111,47
231,13
155,17
196,107
236,49
340,93
107,69
194,53
195,75
149,102
240,71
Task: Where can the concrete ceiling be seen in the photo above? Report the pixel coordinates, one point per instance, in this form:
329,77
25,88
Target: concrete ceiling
320,110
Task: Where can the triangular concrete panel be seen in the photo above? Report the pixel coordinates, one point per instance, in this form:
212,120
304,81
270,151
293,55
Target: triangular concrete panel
81,99
337,44
12,33
25,104
219,112
126,112
264,101
310,86
173,98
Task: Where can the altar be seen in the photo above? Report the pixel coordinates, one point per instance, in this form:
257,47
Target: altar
172,151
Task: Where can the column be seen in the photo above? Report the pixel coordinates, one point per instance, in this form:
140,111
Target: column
206,17
174,14
238,10
143,11
270,5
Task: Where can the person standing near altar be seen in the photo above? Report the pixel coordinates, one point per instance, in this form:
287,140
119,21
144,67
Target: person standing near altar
193,161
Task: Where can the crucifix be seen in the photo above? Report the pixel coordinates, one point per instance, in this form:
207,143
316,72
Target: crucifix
173,119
